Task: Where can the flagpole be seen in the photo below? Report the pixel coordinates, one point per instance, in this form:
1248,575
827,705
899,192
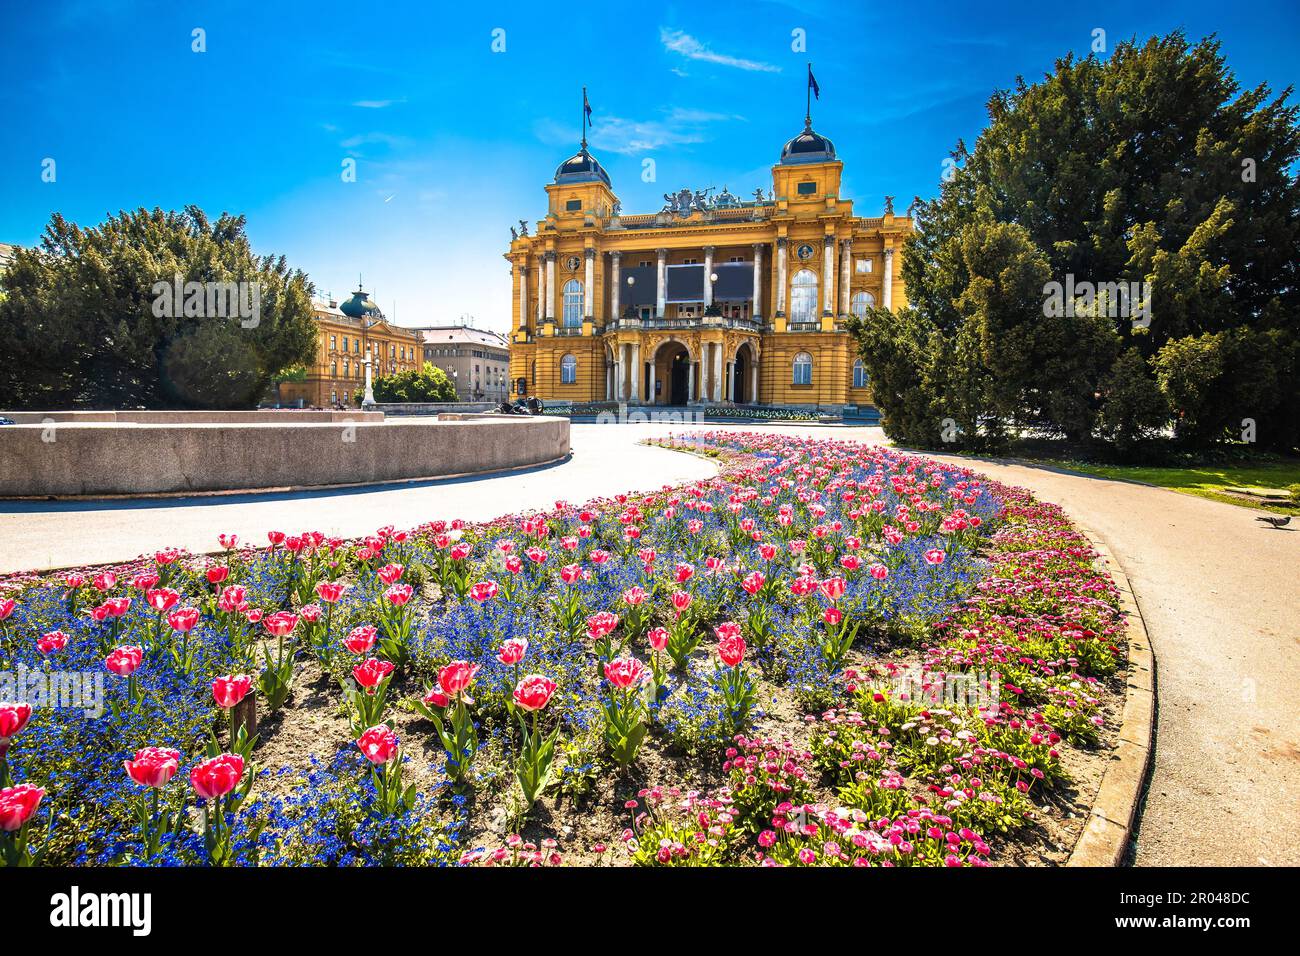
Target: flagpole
807,98
584,117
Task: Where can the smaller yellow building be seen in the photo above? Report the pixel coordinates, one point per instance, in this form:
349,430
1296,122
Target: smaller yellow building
346,335
713,299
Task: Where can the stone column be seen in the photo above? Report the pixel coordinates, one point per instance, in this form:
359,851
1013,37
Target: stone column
717,371
541,294
756,308
636,372
614,279
609,381
620,372
650,382
589,285
780,276
729,382
550,287
661,285
828,276
889,279
522,270
690,379
753,383
708,276
846,275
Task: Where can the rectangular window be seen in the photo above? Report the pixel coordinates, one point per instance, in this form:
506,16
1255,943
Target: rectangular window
737,259
573,205
334,343
862,266
807,189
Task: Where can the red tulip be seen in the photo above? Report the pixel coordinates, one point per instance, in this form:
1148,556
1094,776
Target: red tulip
217,573
275,537
727,629
113,607
399,594
682,573
74,580
483,591
311,613
360,639
125,661
371,672
228,691
183,619
513,564
455,678
625,672
681,600
731,649
934,556
878,571
535,555
460,552
570,573
658,638
18,804
331,591
389,573
228,541
833,615
602,624
534,692
379,744
153,766
104,581
634,596
53,641
753,582
7,608
281,623
436,698
513,651
144,581
232,598
833,588
13,718
216,777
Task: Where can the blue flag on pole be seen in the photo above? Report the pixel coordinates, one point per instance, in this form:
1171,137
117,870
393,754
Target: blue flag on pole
812,83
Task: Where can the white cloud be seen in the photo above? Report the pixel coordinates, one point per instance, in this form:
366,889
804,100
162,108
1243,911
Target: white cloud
375,104
683,44
677,126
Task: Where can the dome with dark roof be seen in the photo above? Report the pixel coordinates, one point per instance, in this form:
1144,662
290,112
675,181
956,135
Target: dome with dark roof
360,306
808,147
581,168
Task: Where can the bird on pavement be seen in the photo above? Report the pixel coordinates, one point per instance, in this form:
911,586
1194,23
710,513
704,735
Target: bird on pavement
1275,520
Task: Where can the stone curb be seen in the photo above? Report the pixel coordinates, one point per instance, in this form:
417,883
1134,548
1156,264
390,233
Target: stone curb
1106,837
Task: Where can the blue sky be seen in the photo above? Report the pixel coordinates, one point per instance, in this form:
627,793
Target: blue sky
454,142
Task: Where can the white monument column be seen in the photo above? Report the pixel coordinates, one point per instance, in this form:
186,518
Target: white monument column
828,275
368,399
550,287
756,310
690,379
636,372
708,276
616,262
889,279
780,276
651,381
717,371
846,276
729,383
753,383
661,285
589,289
620,372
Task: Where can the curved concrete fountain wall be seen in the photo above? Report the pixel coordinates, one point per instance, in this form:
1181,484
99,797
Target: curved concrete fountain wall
88,457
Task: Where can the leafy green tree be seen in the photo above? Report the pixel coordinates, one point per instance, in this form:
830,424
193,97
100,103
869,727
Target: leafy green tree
1152,166
426,384
90,319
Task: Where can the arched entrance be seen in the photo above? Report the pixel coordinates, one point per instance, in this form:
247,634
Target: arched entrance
672,367
742,377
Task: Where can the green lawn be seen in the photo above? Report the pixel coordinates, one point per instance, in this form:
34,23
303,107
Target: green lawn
1206,481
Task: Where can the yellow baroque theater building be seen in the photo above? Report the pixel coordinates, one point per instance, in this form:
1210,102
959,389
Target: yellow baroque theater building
713,299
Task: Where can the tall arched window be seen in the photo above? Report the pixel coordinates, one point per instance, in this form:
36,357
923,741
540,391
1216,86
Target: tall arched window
802,369
568,370
572,304
861,302
803,296
860,377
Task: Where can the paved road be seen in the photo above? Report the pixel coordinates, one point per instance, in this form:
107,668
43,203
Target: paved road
1217,589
